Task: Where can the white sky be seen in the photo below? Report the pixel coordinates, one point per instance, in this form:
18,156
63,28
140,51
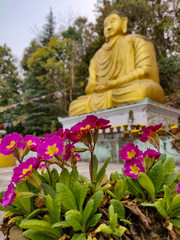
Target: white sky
18,18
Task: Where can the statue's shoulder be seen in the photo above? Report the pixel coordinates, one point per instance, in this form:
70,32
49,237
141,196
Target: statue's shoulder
138,37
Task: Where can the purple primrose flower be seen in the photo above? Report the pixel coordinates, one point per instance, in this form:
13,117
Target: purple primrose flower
9,196
50,147
9,143
24,169
130,151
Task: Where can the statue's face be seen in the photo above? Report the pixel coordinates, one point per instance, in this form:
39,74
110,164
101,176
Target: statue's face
112,26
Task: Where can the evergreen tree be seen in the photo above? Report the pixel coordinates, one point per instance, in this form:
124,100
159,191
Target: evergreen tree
10,89
48,29
41,111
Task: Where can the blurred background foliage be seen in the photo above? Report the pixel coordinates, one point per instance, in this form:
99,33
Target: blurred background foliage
55,64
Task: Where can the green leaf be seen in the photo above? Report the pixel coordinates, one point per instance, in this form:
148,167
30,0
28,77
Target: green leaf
134,187
114,176
72,221
94,220
119,189
74,176
97,197
87,211
55,176
47,189
49,204
65,177
25,202
167,196
162,158
119,231
56,210
118,208
34,235
102,171
66,196
63,224
95,167
104,229
112,217
156,175
111,211
160,206
168,166
175,222
35,212
78,236
175,203
147,184
75,213
169,179
40,225
77,188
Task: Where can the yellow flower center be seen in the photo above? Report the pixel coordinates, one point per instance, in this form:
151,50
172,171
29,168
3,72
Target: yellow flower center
86,127
77,158
52,150
11,144
26,170
30,143
134,169
131,154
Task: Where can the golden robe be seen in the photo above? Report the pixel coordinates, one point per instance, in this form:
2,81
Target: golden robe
131,61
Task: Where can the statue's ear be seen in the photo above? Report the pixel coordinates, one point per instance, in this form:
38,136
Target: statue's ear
124,25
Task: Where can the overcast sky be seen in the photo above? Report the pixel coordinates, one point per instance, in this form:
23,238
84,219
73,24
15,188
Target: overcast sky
20,18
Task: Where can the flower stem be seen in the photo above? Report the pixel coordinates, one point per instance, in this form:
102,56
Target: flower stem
49,173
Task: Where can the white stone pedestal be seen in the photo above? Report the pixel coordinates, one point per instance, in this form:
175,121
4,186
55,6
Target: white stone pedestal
144,112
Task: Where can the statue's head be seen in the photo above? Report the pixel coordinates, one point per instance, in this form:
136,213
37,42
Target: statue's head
115,24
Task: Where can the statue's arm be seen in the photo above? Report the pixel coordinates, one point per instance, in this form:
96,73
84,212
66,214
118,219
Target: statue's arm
142,53
92,81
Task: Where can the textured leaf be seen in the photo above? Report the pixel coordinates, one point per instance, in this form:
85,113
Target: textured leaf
77,188
175,203
95,167
162,158
161,208
36,211
65,177
104,229
119,231
175,222
119,189
39,225
55,176
47,189
56,210
66,196
147,184
134,187
97,197
74,176
167,196
169,179
83,194
102,171
72,221
156,175
78,236
94,220
112,217
168,166
87,211
118,208
114,176
34,235
25,202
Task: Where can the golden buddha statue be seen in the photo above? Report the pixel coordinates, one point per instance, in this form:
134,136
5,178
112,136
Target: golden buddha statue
123,70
